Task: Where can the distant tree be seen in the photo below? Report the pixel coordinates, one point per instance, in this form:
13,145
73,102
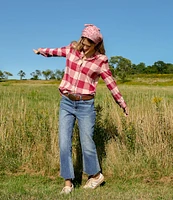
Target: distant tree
22,74
47,74
169,68
59,74
123,66
35,75
52,76
134,69
139,68
151,70
7,74
112,69
112,65
160,66
2,76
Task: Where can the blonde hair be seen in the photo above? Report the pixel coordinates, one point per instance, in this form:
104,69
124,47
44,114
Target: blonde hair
79,46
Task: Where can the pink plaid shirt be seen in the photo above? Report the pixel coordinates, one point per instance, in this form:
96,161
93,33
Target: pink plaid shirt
81,76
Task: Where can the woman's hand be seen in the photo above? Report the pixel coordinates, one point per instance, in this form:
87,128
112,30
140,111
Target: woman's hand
36,51
126,111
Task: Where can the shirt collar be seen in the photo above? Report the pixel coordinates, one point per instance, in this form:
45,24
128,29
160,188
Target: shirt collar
81,54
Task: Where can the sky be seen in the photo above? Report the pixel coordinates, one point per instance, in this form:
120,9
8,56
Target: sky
139,30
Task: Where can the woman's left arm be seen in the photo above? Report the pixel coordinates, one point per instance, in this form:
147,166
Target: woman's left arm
106,75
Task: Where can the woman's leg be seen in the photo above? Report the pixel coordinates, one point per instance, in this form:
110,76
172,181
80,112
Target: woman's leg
86,120
66,124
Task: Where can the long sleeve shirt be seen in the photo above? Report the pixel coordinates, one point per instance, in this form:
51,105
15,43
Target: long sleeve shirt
81,76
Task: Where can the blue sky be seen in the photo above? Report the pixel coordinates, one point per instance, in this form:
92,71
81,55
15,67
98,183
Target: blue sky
141,31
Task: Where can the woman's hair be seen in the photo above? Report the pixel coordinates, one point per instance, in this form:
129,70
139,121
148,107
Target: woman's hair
79,46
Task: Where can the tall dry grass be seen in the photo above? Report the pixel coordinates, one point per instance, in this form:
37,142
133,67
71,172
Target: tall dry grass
28,128
143,143
137,146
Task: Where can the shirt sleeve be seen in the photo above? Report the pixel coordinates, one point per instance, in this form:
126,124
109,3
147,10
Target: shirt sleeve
106,75
55,52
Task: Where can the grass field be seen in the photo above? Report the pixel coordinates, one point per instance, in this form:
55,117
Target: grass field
136,153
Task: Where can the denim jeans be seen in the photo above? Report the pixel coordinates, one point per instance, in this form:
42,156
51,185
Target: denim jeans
84,113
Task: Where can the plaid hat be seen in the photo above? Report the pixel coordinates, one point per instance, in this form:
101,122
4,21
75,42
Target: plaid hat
92,32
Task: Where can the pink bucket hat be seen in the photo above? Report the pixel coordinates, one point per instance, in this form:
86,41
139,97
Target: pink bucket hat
92,32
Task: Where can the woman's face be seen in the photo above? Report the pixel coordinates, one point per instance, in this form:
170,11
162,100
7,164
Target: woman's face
88,46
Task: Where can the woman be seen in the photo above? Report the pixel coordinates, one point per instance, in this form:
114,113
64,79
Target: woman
85,63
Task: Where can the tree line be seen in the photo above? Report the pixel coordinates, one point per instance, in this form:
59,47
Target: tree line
36,75
122,67
119,66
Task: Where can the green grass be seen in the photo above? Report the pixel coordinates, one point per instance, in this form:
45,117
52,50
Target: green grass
136,153
27,187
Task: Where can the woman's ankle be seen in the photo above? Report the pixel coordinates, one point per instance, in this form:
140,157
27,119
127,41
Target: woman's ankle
95,175
68,182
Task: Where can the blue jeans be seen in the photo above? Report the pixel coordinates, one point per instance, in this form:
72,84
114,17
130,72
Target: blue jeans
85,114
